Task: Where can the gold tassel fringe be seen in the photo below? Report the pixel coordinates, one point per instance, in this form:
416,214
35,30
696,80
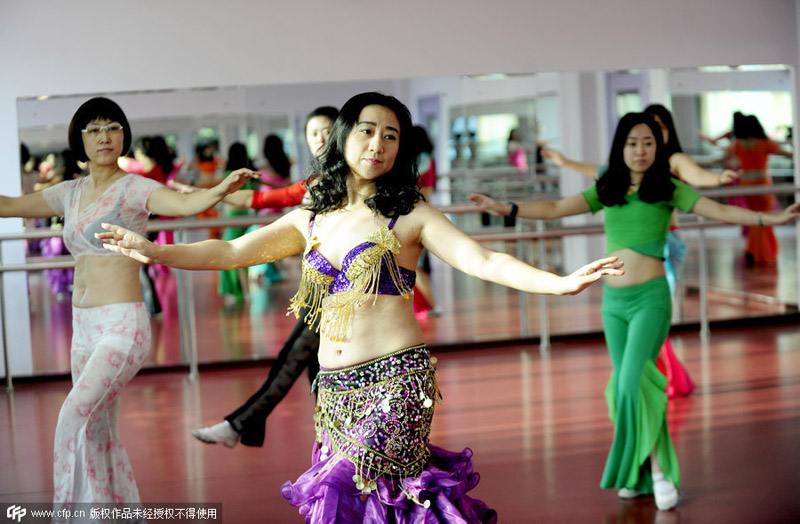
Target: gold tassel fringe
364,275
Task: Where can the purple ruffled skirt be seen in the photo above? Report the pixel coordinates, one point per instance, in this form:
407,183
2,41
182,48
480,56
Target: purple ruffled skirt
372,461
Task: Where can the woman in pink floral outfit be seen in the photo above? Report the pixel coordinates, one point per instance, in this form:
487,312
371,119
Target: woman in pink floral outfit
111,327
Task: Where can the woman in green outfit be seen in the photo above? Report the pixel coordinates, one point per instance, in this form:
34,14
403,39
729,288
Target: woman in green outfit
638,195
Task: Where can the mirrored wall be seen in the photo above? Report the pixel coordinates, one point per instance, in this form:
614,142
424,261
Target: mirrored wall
489,133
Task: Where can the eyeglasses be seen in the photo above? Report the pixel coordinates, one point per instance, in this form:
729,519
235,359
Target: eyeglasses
94,130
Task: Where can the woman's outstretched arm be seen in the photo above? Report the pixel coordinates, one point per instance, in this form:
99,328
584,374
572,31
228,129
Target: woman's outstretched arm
32,205
738,215
454,247
685,168
541,209
248,198
164,201
714,141
560,160
273,242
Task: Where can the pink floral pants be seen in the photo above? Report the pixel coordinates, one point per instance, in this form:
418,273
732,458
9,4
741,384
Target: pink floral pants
109,345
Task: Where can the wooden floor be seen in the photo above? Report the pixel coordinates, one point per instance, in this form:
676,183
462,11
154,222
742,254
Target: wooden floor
537,424
538,427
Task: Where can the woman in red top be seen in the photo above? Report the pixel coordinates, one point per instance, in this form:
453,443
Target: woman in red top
151,159
752,148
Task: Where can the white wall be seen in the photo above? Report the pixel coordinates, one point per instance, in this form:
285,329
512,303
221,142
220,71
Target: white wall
83,47
58,48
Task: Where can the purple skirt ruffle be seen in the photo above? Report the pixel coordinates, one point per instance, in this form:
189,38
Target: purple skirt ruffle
326,493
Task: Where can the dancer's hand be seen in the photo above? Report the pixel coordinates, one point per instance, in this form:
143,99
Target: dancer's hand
490,205
727,177
591,273
787,215
554,155
124,241
236,180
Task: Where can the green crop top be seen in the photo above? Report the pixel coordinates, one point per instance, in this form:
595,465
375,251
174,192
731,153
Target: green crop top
638,225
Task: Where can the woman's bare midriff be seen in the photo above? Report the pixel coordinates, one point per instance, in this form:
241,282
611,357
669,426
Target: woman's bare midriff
377,330
639,268
103,280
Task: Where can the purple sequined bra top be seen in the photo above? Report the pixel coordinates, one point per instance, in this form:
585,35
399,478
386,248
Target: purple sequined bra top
368,270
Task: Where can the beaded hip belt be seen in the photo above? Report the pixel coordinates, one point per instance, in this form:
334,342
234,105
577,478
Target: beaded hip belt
378,414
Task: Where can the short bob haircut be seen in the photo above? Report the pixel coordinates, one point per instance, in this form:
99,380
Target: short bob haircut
673,145
396,191
657,186
97,108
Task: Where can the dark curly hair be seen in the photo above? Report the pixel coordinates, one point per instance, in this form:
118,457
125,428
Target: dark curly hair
657,183
396,191
96,109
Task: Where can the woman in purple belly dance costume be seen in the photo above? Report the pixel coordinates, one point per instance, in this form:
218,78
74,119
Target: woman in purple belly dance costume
377,386
111,327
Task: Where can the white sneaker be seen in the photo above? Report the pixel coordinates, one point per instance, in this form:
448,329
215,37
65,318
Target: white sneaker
665,492
222,433
627,494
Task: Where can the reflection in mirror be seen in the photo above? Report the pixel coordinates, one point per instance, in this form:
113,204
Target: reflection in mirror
488,134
